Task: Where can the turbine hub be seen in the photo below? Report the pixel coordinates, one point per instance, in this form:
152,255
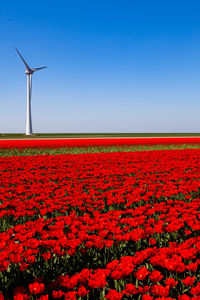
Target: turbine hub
28,72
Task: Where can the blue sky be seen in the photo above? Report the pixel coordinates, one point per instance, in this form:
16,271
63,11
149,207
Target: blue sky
113,66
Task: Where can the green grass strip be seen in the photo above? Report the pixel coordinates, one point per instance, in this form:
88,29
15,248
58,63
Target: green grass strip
91,149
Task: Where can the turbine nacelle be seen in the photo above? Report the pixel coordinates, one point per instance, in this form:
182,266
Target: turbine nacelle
28,72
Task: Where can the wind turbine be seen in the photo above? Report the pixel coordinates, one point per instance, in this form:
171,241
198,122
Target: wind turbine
29,73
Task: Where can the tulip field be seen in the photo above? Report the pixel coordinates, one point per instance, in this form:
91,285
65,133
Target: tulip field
108,224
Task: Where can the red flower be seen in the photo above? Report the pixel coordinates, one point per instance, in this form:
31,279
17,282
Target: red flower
181,268
147,297
113,295
1,296
36,288
141,273
171,264
72,251
82,292
144,290
195,291
188,281
4,265
192,267
44,297
72,282
70,295
130,289
171,282
152,241
30,259
108,244
98,279
184,297
46,255
159,290
57,294
21,296
155,276
117,274
23,266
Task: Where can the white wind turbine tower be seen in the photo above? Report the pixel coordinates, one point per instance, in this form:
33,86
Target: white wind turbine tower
29,73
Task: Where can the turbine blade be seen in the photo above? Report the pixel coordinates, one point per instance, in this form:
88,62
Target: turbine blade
37,69
27,66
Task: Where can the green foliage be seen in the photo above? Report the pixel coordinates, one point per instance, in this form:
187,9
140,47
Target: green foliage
91,149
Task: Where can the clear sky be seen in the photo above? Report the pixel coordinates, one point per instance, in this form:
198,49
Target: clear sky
113,65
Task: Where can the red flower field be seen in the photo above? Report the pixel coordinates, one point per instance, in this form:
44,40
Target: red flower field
52,143
100,226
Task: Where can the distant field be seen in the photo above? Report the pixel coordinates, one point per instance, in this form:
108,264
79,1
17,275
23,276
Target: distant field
53,146
92,135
